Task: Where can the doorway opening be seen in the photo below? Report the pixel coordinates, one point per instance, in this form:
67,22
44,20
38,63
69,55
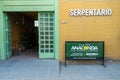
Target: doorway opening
24,33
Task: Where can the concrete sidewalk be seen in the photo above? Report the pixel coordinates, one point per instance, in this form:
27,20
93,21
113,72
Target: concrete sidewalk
41,69
91,72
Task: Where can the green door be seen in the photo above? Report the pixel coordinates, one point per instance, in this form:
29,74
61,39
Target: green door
8,35
46,35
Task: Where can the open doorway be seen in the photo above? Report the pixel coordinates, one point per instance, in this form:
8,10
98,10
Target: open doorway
24,34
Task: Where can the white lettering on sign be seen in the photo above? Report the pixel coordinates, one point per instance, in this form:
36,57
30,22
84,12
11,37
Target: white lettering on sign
90,12
77,54
91,54
81,48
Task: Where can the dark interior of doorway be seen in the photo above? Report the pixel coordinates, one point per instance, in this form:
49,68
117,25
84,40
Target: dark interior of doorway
24,34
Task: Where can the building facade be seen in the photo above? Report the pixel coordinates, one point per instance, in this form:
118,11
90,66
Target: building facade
60,21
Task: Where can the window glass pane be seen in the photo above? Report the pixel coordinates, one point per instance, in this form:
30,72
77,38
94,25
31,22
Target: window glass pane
46,33
46,46
41,37
46,28
51,19
42,42
51,46
42,51
41,24
46,50
51,42
41,19
41,28
46,15
51,33
46,19
51,15
42,46
51,24
41,15
51,37
41,33
51,50
51,28
46,24
46,42
46,37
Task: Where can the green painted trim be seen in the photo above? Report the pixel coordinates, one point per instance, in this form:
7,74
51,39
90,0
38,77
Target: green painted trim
26,2
0,29
56,31
2,36
46,55
28,8
28,5
2,40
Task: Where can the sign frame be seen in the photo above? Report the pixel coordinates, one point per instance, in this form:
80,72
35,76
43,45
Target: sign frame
84,57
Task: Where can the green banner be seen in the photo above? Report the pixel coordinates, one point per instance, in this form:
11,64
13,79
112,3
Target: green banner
84,50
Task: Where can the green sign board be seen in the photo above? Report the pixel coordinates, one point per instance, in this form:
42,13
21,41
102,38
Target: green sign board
84,50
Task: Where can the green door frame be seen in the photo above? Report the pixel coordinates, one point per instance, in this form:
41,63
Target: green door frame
27,6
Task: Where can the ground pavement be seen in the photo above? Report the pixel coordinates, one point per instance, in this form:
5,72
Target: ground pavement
32,68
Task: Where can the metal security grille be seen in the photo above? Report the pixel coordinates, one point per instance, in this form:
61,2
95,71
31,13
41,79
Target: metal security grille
46,33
